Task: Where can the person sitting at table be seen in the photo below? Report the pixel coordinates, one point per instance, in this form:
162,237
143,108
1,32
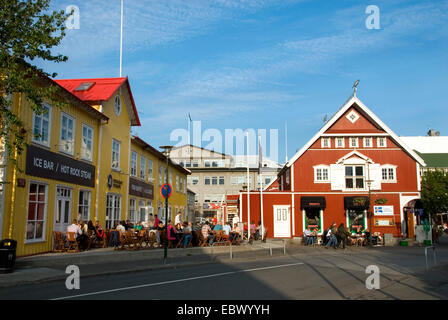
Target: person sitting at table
138,226
187,233
206,233
179,227
171,232
90,226
227,229
236,231
253,228
156,221
75,227
121,228
217,227
99,232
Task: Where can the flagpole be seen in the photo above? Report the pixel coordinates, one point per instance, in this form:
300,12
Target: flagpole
248,189
260,176
121,40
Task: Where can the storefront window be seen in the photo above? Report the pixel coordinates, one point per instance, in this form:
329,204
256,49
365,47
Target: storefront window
36,211
313,218
84,205
356,220
113,209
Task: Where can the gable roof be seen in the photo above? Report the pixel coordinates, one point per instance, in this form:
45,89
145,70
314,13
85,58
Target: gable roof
435,160
101,89
353,100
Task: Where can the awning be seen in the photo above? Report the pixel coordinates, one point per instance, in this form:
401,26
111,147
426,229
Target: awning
312,203
356,203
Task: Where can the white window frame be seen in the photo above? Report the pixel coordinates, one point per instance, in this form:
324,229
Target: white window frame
150,170
354,177
325,143
40,118
223,179
161,175
350,140
142,168
378,142
117,106
389,167
84,148
115,211
63,143
35,240
117,152
132,209
370,145
209,181
84,205
134,164
321,168
337,140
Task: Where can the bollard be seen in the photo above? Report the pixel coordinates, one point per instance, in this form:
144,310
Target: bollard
434,256
231,255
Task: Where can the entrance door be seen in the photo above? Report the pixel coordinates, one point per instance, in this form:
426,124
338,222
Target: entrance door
282,222
63,209
410,225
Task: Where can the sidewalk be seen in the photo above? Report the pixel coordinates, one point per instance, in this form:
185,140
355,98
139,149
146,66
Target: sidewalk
107,261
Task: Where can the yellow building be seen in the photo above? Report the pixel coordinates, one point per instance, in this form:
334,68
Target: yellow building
54,180
82,163
147,175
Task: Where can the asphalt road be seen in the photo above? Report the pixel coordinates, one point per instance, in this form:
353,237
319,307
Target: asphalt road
322,274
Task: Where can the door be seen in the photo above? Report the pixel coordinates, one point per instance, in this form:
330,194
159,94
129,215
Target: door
282,222
63,209
410,218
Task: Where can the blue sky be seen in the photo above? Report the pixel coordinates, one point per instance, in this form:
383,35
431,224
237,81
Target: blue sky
258,64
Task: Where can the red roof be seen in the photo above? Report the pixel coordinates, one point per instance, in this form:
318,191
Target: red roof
101,89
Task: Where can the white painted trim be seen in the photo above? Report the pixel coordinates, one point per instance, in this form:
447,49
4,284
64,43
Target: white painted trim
348,104
74,134
99,169
50,118
44,231
355,134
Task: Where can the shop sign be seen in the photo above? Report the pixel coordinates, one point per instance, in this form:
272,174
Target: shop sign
383,210
46,164
141,189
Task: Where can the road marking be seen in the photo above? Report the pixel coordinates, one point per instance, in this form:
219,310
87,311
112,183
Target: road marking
176,281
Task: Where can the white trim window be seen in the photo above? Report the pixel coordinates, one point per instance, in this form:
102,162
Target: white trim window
326,143
234,180
388,174
67,142
207,181
84,205
150,171
321,174
215,181
117,105
354,177
37,206
42,126
170,178
353,142
161,175
134,164
87,143
381,142
222,180
132,210
142,167
113,209
115,154
368,142
195,180
340,142
177,183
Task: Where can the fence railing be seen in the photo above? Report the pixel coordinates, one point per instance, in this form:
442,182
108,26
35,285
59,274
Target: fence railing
264,245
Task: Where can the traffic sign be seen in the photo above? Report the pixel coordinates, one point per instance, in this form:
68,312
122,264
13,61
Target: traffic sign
165,190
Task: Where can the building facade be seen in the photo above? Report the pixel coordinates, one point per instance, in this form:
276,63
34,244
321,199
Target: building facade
354,171
215,175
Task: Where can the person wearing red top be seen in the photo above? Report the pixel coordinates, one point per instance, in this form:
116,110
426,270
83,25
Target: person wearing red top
171,232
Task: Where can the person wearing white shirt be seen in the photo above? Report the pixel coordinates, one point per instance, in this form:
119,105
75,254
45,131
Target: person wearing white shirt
75,228
177,219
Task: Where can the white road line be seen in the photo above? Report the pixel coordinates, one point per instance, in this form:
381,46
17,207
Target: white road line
176,281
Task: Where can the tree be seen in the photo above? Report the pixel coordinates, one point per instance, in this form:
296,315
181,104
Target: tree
27,32
435,192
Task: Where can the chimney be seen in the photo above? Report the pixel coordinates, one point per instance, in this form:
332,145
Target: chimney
431,133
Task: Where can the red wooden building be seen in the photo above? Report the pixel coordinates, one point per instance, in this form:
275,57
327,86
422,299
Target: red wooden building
353,158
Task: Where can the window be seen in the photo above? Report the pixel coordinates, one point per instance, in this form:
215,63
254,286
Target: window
195,164
170,178
87,143
150,164
340,142
241,180
41,126
207,181
142,210
222,163
181,184
188,164
207,163
367,142
214,181
142,167
84,205
388,174
67,134
326,143
221,181
195,180
113,209
177,183
115,154
37,202
321,174
132,210
214,164
353,142
381,142
161,171
234,180
117,105
354,177
134,164
181,163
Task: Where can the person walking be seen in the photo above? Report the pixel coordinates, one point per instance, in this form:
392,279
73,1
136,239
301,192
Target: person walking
331,236
343,234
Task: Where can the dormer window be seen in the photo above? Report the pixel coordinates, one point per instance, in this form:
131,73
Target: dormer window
326,143
353,142
367,142
85,86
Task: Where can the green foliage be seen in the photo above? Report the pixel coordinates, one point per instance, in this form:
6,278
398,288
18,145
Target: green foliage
27,32
435,191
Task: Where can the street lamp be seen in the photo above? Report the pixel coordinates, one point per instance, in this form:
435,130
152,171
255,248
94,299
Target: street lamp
166,153
369,212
